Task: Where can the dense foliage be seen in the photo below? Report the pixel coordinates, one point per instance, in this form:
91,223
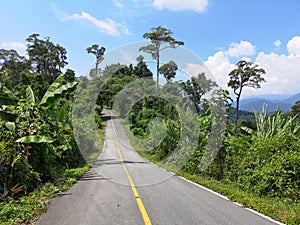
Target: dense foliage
36,137
37,142
265,160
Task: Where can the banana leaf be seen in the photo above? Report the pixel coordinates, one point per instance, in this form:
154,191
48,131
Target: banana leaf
34,139
6,96
55,91
30,95
11,127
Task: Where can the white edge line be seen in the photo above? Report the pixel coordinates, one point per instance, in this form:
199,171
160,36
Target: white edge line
238,204
224,197
202,187
264,216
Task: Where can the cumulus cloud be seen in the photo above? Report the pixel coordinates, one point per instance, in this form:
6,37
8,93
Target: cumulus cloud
277,43
107,26
282,73
178,5
293,46
241,49
18,46
220,66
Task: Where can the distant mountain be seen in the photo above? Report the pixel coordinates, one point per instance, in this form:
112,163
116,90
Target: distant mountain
256,103
271,96
292,100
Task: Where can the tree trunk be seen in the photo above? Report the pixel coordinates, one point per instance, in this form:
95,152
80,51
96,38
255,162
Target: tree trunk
237,110
157,72
238,96
96,72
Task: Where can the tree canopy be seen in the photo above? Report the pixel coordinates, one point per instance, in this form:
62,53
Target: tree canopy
168,70
161,39
46,57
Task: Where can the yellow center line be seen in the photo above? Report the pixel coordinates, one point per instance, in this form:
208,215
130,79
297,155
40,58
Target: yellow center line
133,188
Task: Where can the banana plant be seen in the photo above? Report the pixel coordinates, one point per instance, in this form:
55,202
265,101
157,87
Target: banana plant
27,122
49,100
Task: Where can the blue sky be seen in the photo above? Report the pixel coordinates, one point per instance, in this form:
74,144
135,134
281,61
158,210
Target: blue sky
219,32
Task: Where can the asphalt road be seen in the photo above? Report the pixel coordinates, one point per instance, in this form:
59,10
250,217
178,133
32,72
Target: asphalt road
123,188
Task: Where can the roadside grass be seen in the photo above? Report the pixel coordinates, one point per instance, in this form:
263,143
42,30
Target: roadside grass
27,209
283,210
94,156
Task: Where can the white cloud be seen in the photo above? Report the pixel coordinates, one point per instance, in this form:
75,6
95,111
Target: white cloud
293,46
241,49
220,67
18,46
107,26
277,43
177,5
282,73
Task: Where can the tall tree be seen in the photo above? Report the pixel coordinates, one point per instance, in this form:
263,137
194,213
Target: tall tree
197,87
160,39
168,70
98,52
46,57
245,75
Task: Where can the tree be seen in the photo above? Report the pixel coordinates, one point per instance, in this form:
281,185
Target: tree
46,58
168,70
295,110
70,75
11,65
197,87
37,82
98,52
245,75
141,69
160,39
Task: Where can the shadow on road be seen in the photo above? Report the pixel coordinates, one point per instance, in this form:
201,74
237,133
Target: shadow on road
92,175
108,117
116,162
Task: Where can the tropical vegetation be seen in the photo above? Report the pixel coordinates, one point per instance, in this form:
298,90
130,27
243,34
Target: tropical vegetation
258,159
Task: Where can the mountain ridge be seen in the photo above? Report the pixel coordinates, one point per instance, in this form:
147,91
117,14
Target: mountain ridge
273,103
